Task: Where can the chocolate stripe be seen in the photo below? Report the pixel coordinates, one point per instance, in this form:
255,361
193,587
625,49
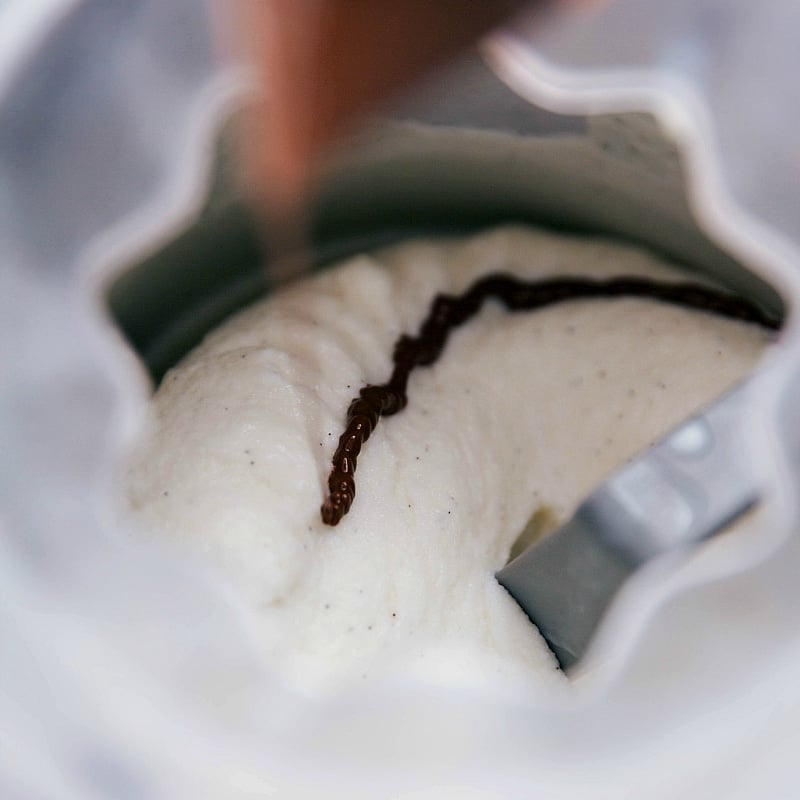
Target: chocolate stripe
448,312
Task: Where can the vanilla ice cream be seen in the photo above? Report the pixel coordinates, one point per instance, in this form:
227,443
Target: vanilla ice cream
521,417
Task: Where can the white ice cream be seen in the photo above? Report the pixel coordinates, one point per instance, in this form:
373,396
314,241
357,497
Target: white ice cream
524,413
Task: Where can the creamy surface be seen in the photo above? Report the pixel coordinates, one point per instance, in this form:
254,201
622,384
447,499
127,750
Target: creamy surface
523,415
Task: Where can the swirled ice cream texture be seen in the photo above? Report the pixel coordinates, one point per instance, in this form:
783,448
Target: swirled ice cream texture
524,414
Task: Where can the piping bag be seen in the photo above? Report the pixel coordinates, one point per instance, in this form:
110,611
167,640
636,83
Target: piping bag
323,66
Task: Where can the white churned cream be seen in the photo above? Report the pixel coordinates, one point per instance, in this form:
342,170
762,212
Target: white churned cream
523,412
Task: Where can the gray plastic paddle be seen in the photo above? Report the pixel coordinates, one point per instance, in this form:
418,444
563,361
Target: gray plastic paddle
685,488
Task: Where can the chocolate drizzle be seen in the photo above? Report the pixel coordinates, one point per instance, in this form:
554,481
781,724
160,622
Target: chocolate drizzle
448,312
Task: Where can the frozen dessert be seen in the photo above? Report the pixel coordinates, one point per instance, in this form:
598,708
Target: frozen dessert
520,417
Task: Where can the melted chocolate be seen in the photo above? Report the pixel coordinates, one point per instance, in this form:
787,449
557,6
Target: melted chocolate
448,312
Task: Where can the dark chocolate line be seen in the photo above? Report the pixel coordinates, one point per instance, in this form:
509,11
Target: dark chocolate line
448,312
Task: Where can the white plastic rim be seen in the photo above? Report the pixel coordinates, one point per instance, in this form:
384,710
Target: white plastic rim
135,673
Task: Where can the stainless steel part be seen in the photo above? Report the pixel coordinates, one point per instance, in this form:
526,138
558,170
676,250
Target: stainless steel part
683,489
